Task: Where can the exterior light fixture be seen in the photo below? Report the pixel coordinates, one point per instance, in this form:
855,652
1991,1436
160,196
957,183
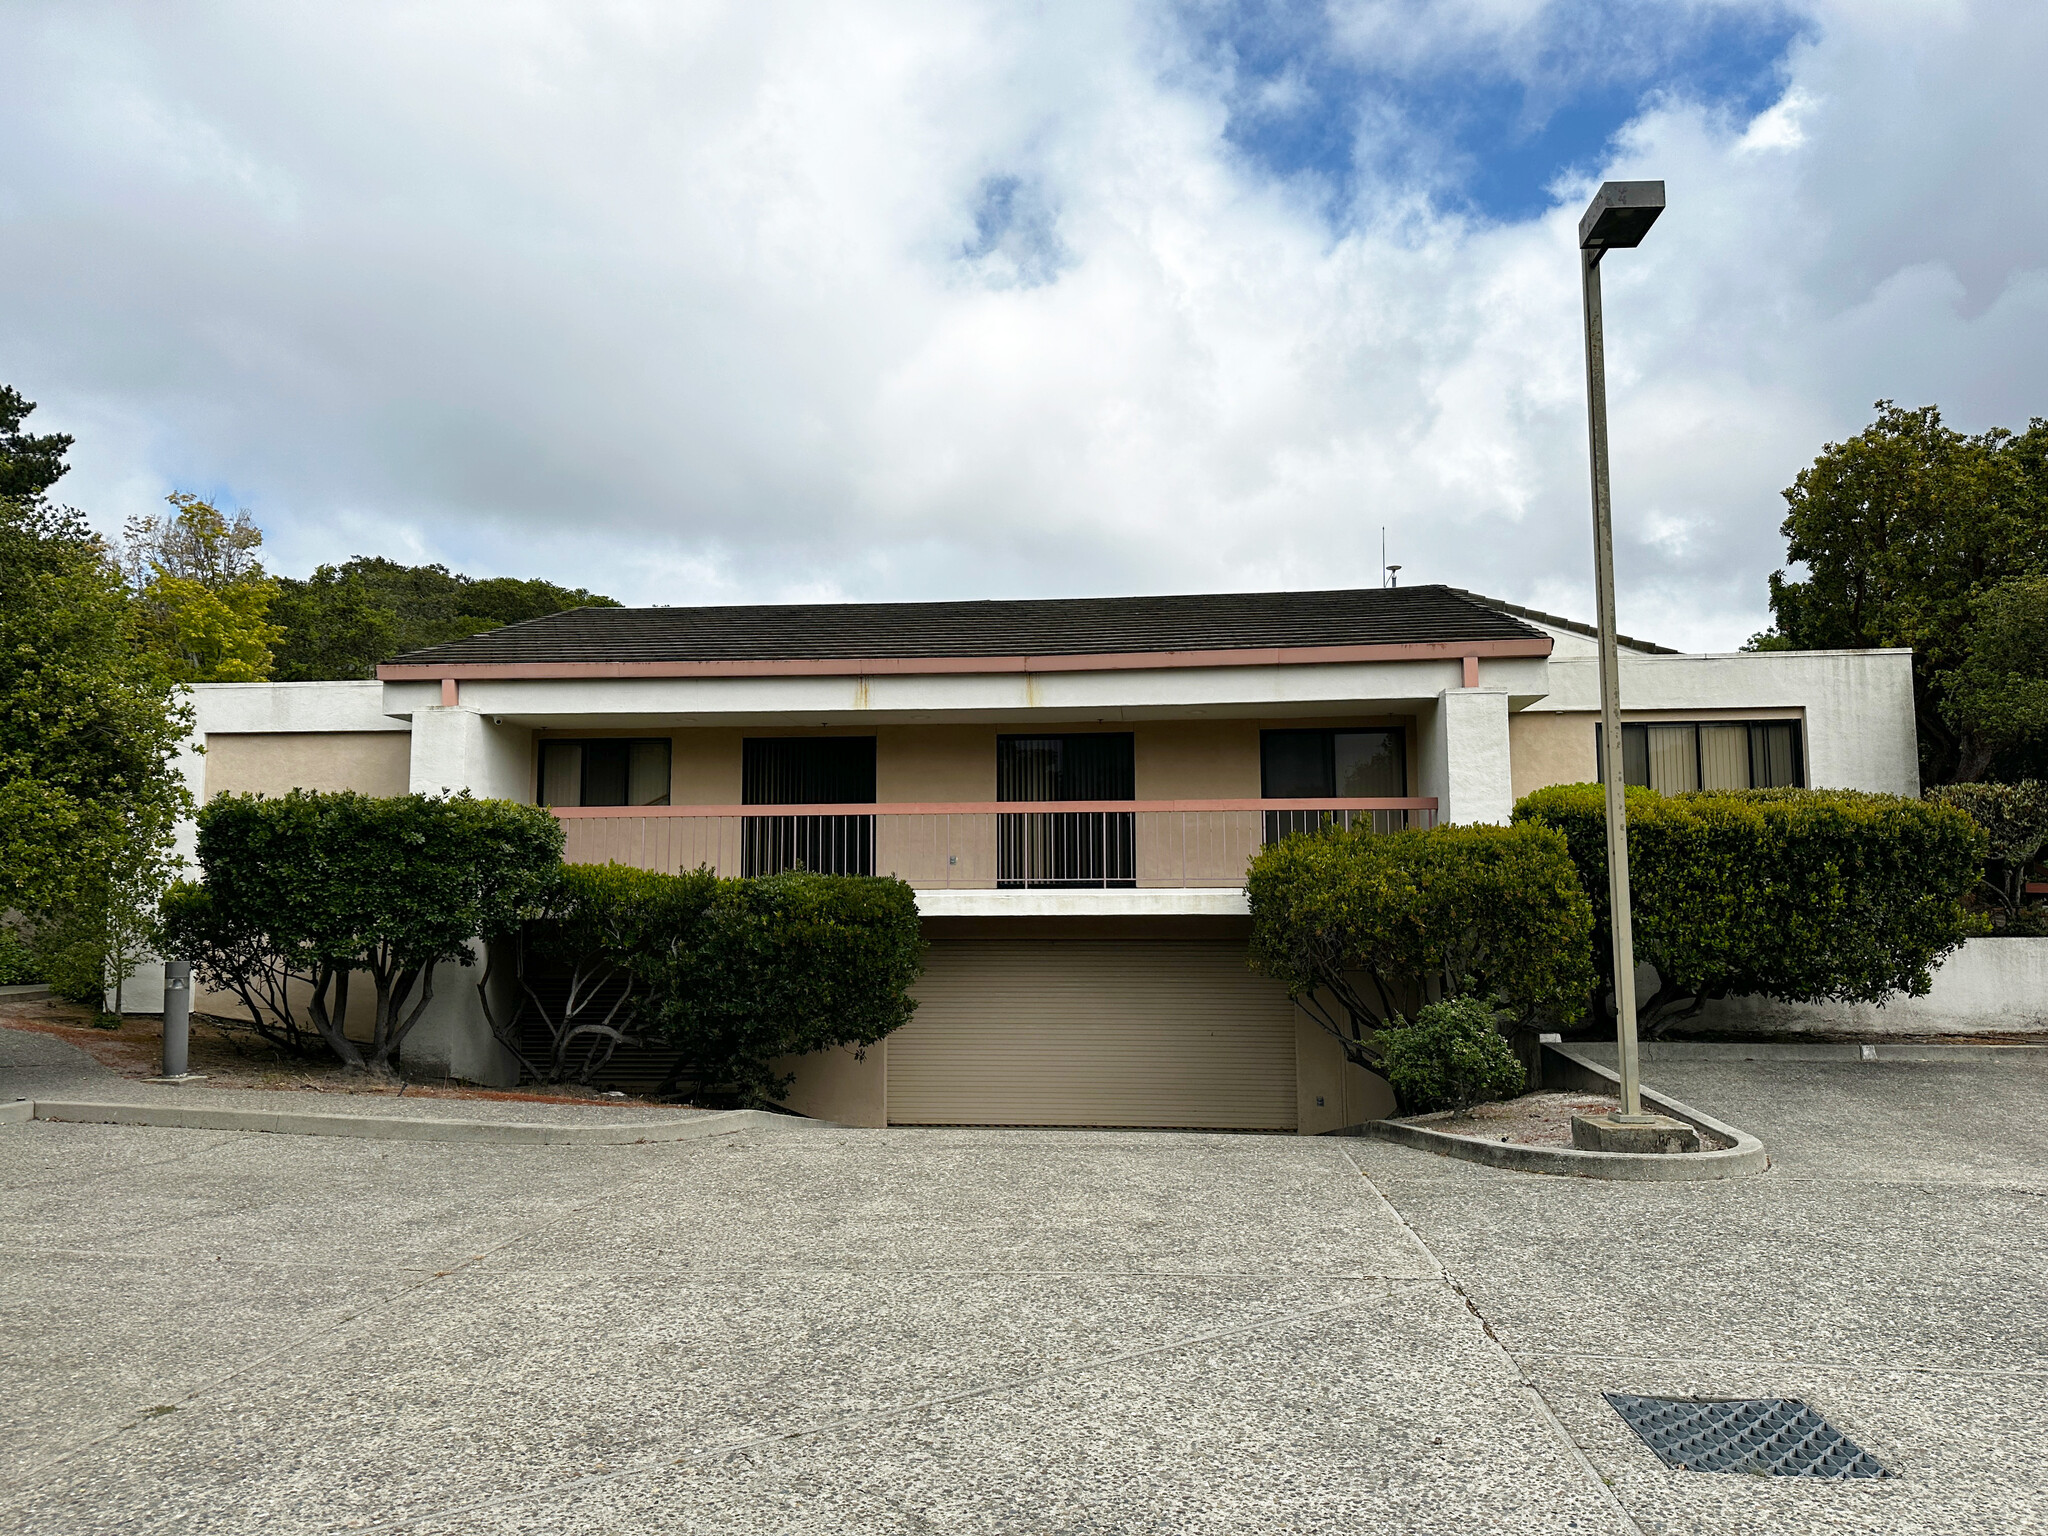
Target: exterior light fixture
1620,214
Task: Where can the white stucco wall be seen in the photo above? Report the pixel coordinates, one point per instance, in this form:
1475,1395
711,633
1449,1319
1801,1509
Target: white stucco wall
455,747
1857,705
1464,756
1989,986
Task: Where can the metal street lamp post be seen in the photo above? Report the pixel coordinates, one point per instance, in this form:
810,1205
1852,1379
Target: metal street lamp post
1620,214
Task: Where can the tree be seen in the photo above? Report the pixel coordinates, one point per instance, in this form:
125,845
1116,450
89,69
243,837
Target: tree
202,596
1903,529
1803,895
2014,820
323,886
342,620
29,465
90,729
1996,698
1364,927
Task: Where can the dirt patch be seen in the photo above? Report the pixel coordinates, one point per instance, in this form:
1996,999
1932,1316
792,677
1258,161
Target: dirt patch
236,1057
1533,1120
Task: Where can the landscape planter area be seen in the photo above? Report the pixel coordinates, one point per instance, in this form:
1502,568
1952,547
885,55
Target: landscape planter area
1733,1153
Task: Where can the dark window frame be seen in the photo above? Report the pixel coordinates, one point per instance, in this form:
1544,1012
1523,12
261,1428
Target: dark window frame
1330,734
753,769
1641,730
1127,769
540,769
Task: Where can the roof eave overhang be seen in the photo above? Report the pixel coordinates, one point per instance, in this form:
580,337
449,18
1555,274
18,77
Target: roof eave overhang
875,666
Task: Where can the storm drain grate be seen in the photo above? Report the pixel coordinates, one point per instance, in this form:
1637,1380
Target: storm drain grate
1775,1436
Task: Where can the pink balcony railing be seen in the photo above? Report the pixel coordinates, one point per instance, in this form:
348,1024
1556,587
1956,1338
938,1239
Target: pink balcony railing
980,845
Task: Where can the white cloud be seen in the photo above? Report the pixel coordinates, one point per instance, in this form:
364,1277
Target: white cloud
694,304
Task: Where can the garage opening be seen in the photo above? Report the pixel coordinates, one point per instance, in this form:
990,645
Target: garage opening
1140,1033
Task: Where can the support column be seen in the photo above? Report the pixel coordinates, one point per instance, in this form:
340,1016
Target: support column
456,748
1464,751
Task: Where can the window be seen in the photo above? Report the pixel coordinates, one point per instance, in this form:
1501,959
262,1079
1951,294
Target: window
1066,848
807,770
1721,754
608,770
1332,765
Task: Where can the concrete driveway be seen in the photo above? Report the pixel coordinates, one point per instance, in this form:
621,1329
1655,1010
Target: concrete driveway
917,1331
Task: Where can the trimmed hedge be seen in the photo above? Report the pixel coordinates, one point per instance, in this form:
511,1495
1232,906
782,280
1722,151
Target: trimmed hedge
314,888
1804,895
1361,926
783,966
735,974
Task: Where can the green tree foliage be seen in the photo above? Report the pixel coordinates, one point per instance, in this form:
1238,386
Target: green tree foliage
1996,698
90,729
1802,895
318,887
342,620
2014,820
1361,926
583,967
202,598
783,966
732,975
1905,530
29,465
1451,1057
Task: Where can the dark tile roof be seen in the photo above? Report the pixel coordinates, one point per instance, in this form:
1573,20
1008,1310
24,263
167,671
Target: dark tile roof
1648,647
1076,626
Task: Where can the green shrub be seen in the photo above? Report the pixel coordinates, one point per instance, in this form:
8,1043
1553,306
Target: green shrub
1360,926
1451,1057
783,966
2014,820
18,964
603,931
1802,895
319,887
70,953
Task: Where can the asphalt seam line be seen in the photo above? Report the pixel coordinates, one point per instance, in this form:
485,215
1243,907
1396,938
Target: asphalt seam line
1601,1486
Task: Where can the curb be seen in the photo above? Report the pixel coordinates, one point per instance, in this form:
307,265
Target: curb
282,1122
24,989
1567,1069
1653,1051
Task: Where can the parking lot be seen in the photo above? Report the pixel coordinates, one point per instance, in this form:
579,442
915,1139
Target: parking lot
815,1329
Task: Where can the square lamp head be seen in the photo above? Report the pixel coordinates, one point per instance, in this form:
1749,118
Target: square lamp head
1620,214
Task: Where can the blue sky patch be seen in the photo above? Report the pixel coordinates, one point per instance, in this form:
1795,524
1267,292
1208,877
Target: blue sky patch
1482,126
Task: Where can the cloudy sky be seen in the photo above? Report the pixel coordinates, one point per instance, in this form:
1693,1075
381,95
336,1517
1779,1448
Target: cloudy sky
699,303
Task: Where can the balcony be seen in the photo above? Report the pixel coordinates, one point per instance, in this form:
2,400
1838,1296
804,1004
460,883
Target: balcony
989,845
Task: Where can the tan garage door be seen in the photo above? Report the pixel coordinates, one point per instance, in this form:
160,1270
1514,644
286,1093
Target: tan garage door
1021,1032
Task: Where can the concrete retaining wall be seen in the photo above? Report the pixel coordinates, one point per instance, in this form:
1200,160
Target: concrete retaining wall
1990,986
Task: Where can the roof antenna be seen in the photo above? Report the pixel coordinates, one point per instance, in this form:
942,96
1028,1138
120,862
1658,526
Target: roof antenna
1390,575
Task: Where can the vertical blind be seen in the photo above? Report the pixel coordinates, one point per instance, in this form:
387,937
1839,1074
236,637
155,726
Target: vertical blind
1066,848
1673,758
807,770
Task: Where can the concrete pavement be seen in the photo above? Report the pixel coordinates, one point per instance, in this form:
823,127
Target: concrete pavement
1012,1331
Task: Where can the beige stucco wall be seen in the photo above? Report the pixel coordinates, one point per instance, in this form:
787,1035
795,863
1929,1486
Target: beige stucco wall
935,763
1549,749
372,762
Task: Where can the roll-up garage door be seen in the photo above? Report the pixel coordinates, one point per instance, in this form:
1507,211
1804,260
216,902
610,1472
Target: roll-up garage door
1038,1032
